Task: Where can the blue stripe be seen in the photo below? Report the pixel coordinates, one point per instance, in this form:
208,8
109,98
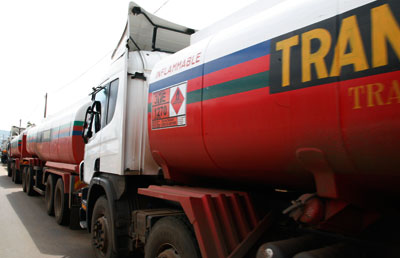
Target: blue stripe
241,56
177,78
79,133
62,135
55,136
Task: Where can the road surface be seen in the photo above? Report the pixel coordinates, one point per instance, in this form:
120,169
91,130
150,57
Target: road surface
27,231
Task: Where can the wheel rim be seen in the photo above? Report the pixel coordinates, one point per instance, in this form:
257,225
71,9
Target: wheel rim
167,251
100,230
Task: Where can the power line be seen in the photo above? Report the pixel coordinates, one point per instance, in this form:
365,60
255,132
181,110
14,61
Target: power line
39,102
166,2
82,74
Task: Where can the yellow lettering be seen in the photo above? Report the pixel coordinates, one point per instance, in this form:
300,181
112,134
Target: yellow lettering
371,93
285,46
349,35
394,92
317,57
384,28
356,91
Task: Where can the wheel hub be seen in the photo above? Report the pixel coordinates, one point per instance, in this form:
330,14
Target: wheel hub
99,234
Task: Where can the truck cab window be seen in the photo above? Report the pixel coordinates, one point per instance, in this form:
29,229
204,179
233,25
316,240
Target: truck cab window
107,98
101,96
112,99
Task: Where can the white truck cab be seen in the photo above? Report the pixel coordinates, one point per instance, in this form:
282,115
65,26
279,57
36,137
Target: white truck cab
115,129
116,126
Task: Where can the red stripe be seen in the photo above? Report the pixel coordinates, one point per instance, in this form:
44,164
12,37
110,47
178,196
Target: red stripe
77,128
248,68
194,84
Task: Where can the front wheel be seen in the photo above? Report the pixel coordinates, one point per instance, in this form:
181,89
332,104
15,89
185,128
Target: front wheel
101,229
172,237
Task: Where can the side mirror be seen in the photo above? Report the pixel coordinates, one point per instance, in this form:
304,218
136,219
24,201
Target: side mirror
93,114
97,115
87,125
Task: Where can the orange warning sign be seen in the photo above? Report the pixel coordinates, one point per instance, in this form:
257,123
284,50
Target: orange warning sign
168,107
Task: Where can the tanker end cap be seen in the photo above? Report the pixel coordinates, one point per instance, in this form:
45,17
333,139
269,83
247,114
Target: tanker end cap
141,33
190,31
136,10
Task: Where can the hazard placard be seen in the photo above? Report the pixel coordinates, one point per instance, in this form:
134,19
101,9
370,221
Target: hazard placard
168,107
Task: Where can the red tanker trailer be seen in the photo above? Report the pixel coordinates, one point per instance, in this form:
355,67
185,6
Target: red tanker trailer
17,151
54,152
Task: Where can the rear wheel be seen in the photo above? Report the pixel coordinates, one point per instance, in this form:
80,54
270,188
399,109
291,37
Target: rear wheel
101,229
49,195
16,174
29,182
23,178
61,211
13,172
172,237
9,170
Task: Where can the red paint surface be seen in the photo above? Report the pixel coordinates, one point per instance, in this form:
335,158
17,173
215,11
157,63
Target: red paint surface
64,150
248,68
253,137
21,150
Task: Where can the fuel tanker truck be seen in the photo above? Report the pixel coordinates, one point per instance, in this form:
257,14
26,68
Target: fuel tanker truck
49,166
273,133
17,151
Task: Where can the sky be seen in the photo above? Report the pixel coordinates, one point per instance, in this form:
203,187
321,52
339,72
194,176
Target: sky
62,48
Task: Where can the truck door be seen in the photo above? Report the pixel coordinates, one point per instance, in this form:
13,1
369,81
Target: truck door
98,118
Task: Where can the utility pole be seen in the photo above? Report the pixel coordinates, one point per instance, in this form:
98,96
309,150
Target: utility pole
19,129
45,105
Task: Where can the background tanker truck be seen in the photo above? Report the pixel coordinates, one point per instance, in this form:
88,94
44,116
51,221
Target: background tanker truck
200,152
56,149
16,152
46,159
3,150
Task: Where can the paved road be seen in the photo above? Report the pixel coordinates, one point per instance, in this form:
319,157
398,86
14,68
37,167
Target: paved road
27,231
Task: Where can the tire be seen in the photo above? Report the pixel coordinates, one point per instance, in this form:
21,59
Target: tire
49,195
61,211
170,237
9,171
102,241
13,172
23,178
29,182
16,174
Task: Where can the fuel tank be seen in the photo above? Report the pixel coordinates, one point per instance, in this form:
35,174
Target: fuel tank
16,146
31,141
58,138
308,101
